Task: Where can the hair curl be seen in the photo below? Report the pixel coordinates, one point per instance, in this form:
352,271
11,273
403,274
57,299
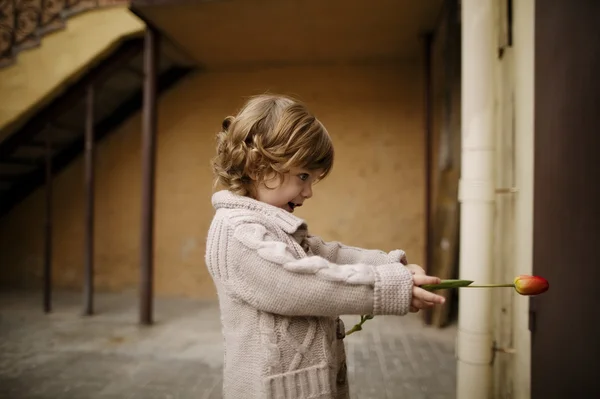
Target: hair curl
270,134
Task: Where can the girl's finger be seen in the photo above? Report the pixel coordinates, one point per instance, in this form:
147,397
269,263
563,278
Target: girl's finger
427,296
415,269
420,279
416,303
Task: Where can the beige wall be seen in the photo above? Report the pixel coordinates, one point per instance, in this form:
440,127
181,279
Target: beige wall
514,222
373,198
524,50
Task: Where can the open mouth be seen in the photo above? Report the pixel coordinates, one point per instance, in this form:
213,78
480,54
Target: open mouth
293,205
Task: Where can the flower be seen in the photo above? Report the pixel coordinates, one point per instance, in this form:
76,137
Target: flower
531,285
523,284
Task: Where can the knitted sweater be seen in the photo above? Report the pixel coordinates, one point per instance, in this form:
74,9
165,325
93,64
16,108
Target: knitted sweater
281,291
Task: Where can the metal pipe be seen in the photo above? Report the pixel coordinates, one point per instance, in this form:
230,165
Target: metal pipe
149,120
88,290
47,273
477,196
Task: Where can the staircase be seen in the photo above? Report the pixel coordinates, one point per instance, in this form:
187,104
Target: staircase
23,23
43,142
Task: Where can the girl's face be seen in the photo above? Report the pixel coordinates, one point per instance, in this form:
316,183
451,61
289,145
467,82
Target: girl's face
295,188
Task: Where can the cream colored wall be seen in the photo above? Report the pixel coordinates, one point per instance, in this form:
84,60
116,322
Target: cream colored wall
40,73
373,198
504,223
524,50
514,222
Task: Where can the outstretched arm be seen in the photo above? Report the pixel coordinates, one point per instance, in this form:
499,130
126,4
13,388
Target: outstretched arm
337,252
258,269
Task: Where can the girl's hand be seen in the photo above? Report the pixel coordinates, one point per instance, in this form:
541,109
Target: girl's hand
421,298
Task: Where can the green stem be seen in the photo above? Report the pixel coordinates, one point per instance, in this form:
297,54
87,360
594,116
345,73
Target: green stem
444,284
488,285
358,327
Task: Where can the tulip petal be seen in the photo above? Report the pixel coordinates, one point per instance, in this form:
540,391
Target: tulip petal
531,285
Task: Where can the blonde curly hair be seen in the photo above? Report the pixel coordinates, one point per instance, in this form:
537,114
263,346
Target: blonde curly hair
269,135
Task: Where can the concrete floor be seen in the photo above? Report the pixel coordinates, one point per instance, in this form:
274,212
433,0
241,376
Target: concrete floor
65,355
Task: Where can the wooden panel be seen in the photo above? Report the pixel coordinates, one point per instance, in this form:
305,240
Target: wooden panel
565,320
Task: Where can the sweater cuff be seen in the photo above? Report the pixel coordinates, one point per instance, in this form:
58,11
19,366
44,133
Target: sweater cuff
393,290
397,256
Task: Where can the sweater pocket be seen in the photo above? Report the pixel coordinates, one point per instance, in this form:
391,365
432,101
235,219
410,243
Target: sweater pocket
308,383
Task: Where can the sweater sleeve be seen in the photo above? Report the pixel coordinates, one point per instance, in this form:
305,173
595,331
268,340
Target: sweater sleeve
337,252
263,272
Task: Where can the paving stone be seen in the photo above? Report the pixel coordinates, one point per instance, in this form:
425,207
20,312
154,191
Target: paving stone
66,356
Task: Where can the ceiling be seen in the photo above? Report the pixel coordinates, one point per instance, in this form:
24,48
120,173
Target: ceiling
231,33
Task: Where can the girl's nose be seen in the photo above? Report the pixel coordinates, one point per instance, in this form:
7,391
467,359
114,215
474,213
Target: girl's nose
307,192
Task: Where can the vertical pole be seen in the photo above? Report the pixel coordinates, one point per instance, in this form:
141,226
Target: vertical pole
47,273
88,291
474,341
427,44
149,119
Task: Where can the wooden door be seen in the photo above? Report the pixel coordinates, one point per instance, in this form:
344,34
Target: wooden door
565,321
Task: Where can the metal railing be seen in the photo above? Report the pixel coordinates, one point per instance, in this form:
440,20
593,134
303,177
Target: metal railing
23,23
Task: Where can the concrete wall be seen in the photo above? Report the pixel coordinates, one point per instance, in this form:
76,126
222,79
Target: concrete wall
373,198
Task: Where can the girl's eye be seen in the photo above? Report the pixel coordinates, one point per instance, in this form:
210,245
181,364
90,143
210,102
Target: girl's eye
303,176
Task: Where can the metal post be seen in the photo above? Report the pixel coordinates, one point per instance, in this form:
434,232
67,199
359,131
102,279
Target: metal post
47,273
149,119
428,116
88,290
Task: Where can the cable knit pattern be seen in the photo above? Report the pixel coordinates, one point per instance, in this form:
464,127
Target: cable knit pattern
339,253
281,291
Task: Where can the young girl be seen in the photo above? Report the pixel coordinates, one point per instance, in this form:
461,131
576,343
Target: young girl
280,288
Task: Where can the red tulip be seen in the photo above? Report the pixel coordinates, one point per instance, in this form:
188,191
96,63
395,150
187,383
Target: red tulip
531,285
523,284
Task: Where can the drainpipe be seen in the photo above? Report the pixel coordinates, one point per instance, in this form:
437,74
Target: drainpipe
476,193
